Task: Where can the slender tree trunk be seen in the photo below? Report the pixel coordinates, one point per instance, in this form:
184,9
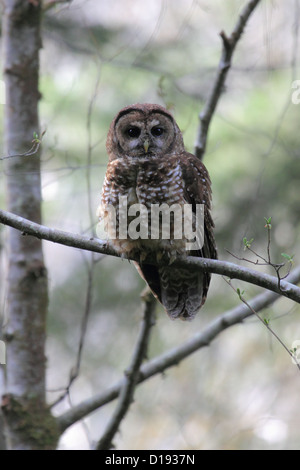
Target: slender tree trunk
28,423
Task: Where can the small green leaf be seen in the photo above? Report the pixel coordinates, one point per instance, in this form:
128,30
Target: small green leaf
289,258
268,223
240,293
267,321
247,243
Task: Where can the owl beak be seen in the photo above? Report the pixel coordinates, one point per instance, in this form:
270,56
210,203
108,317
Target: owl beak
146,145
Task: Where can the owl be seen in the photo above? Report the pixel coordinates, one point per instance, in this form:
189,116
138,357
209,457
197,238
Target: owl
151,194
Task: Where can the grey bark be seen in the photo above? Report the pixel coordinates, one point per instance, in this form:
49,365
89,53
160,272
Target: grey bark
28,424
224,268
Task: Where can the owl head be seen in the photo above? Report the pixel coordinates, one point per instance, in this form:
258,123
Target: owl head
143,130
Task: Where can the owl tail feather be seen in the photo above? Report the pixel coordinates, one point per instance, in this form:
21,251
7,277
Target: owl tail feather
181,292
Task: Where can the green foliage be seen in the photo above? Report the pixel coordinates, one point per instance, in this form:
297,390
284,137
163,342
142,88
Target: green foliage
247,243
289,258
240,293
268,223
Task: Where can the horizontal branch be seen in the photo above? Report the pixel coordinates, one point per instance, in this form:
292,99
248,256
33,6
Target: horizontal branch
201,339
173,356
224,268
234,271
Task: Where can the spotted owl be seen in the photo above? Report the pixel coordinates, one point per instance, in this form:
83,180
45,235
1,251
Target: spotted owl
149,169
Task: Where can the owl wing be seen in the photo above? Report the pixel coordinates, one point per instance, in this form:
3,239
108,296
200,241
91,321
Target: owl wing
198,191
183,291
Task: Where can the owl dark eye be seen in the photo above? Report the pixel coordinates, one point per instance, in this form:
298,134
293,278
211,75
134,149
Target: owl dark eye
157,131
133,132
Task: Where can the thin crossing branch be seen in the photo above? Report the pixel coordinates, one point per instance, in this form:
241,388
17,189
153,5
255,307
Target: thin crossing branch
174,356
229,44
131,375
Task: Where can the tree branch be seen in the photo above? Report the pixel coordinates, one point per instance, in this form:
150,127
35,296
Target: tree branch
229,44
265,322
131,375
224,268
173,357
52,3
74,373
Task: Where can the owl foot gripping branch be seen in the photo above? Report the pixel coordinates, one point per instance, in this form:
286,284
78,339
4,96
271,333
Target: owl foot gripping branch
150,173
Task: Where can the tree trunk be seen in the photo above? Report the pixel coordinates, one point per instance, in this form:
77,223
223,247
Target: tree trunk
28,423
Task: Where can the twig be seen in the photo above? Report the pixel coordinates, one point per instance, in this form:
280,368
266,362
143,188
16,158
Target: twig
225,268
265,323
276,266
86,313
87,308
32,151
173,357
52,3
90,146
36,143
257,263
90,267
229,44
131,375
294,72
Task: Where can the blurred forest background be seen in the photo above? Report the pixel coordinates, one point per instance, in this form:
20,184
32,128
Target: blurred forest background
241,392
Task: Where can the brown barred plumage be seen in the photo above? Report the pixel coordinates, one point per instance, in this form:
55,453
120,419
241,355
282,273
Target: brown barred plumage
148,165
